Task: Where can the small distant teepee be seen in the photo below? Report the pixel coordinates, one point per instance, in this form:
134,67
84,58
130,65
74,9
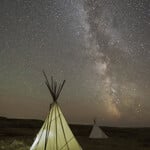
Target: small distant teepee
97,133
55,133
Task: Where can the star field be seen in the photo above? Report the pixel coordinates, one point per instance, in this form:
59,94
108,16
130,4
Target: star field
100,47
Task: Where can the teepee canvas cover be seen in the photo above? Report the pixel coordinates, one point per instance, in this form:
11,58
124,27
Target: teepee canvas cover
97,133
55,133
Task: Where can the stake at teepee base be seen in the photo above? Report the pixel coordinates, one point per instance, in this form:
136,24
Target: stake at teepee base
55,133
97,133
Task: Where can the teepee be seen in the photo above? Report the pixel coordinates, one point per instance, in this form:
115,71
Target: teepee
55,133
97,133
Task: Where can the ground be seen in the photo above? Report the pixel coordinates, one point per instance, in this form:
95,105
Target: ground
19,135
122,141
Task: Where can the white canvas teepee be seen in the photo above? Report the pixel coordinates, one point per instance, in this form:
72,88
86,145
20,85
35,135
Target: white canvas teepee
97,133
55,133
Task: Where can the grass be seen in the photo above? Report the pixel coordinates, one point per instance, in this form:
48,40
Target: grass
19,135
119,139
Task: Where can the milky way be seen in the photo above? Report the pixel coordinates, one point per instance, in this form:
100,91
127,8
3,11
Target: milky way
100,47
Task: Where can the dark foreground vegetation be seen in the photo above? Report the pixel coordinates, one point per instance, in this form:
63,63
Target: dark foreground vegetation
18,134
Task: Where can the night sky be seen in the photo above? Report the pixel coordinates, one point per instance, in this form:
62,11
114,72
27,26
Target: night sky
101,48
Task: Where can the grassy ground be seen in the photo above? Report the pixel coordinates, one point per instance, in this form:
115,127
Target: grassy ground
114,144
19,134
119,139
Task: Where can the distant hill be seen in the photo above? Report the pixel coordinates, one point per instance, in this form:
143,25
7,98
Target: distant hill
2,118
30,127
19,123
